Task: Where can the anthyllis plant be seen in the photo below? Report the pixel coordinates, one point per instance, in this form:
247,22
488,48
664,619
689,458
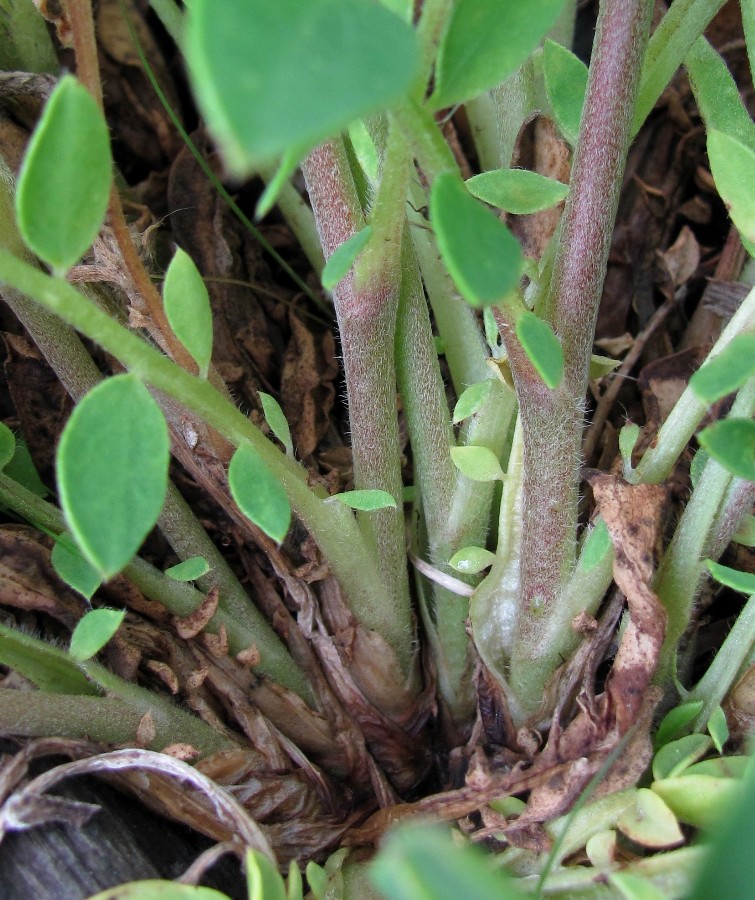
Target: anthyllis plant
470,605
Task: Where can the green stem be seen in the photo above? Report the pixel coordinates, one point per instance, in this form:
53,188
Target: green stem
332,525
171,17
430,29
426,140
180,599
682,25
553,420
678,579
688,411
106,720
366,303
426,409
36,659
722,672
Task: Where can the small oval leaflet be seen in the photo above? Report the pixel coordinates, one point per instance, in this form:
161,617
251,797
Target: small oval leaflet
7,445
485,42
627,440
346,59
365,501
732,164
649,822
698,800
731,442
596,545
189,569
72,568
112,468
676,722
673,758
542,347
744,582
21,468
477,463
64,183
264,881
276,420
565,78
471,400
93,631
718,728
187,307
471,560
517,190
154,889
482,256
344,257
258,493
726,372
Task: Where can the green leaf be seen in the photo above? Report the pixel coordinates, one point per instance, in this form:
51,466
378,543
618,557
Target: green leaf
487,41
420,862
294,884
344,257
258,493
22,469
542,347
93,631
472,400
649,822
601,366
717,95
676,722
733,578
189,570
263,879
73,568
276,420
745,534
471,560
627,440
477,463
731,442
718,729
272,78
699,800
367,501
732,165
673,758
726,372
634,887
596,545
517,190
7,445
112,467
482,256
48,667
288,165
565,77
729,867
154,889
64,183
317,878
721,767
187,306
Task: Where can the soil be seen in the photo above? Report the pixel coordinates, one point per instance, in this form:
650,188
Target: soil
672,283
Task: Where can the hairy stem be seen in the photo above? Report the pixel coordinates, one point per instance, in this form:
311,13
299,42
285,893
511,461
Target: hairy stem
552,420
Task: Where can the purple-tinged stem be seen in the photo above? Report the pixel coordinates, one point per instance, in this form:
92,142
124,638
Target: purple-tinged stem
553,420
